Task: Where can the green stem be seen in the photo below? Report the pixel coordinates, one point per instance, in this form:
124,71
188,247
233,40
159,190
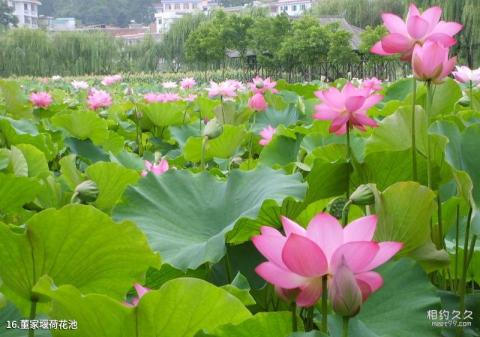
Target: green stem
428,112
33,313
441,243
345,210
324,304
463,280
414,141
223,111
204,146
349,159
471,94
309,326
294,317
457,233
139,133
345,326
228,266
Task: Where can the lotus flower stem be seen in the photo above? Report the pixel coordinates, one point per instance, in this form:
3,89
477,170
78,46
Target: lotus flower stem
324,304
428,112
457,233
349,155
414,142
294,317
33,313
204,146
345,326
463,280
228,266
471,94
223,110
440,223
309,325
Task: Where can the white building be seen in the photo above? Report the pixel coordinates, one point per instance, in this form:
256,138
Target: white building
293,8
26,11
168,11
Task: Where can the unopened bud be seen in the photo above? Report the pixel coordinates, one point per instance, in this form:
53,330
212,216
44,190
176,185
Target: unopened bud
363,196
213,129
85,192
344,292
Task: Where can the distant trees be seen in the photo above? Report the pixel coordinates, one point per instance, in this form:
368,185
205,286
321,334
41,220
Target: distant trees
6,16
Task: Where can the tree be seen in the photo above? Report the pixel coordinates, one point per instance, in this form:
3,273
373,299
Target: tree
6,16
205,45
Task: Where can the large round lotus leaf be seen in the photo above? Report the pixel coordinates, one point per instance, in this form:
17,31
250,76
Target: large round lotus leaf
180,308
77,245
186,215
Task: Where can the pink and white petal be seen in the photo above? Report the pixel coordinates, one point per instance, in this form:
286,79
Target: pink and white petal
412,10
385,252
353,103
444,39
141,291
417,27
324,112
267,230
310,294
369,282
394,23
358,255
432,16
332,97
448,67
271,246
339,131
326,232
378,49
291,227
339,122
349,90
396,43
304,257
448,28
372,101
361,119
361,229
280,277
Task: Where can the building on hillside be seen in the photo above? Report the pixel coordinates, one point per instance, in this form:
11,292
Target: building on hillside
292,8
26,11
169,11
132,34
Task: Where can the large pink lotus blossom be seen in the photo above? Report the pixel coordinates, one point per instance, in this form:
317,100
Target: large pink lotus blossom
188,83
417,29
112,79
98,99
141,291
257,102
466,75
156,168
236,84
430,62
260,85
41,99
298,261
346,108
165,97
223,89
267,135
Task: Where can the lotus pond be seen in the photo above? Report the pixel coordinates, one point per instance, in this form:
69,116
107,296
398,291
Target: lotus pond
263,209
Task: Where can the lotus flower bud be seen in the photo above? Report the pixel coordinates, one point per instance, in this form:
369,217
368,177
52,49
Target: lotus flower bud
344,292
85,192
213,129
363,196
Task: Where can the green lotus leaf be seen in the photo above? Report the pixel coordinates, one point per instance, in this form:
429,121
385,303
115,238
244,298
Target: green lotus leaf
77,245
181,307
165,114
16,191
112,179
186,216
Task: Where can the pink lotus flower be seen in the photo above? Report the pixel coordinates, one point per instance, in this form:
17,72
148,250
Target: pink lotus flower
466,75
41,99
372,84
224,89
267,135
190,98
166,97
98,99
141,291
418,28
112,79
188,83
430,62
79,85
236,84
156,169
257,102
260,85
299,260
346,108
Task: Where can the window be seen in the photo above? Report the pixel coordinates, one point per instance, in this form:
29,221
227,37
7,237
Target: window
185,6
177,6
294,8
168,7
34,8
194,6
25,7
28,20
302,7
